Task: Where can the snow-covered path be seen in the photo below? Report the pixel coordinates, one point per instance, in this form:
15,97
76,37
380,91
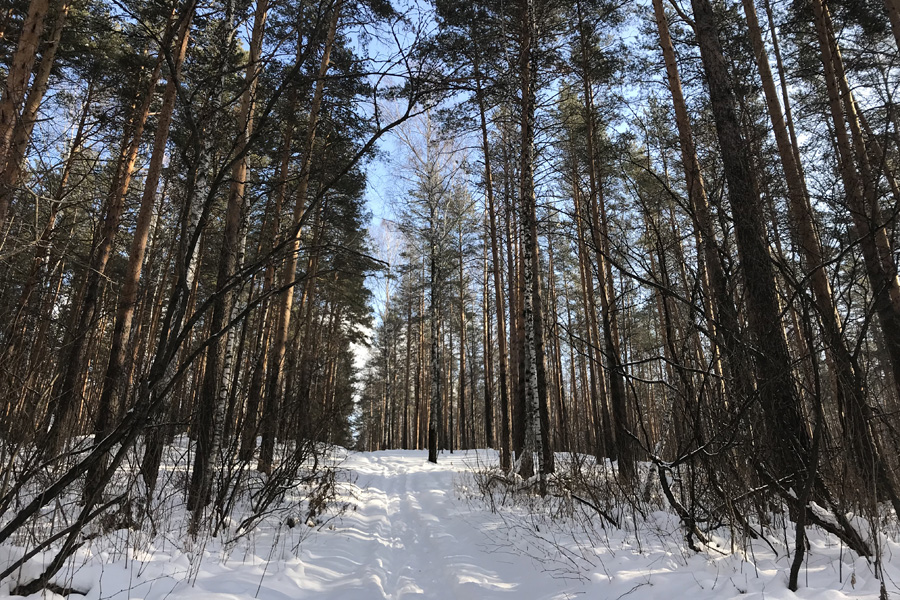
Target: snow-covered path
410,532
408,538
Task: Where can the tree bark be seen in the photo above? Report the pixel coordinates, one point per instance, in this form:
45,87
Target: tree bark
625,451
721,314
602,436
21,135
112,387
214,390
274,376
487,352
787,434
527,211
893,10
16,85
68,393
434,419
878,259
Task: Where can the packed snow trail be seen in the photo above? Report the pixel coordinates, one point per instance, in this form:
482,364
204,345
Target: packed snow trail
407,539
412,529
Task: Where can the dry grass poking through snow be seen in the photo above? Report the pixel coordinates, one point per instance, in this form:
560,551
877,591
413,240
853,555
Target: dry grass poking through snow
621,543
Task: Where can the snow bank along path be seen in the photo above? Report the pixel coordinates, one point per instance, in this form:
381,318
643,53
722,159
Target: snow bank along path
410,533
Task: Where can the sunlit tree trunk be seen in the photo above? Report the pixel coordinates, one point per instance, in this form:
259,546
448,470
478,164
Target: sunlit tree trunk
881,268
19,411
721,313
289,273
625,452
893,10
112,386
21,135
68,394
16,85
602,436
528,217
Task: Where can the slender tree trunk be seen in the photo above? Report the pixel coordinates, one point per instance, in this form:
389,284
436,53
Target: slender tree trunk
721,318
560,425
269,313
42,250
880,267
785,96
868,175
112,387
14,356
602,436
173,340
308,349
487,353
421,408
68,393
505,454
214,389
893,10
516,335
289,273
21,135
435,420
451,438
850,386
408,365
16,85
625,451
587,420
463,434
532,293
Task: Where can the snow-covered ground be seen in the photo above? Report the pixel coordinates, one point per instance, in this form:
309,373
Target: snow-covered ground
416,529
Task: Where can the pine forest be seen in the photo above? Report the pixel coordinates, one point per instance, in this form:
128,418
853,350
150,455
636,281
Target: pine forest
645,253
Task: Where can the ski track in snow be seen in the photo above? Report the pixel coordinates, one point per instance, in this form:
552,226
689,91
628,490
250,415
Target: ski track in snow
401,544
409,535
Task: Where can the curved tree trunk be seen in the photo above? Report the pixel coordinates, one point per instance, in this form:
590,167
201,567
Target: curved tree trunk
722,318
850,382
881,269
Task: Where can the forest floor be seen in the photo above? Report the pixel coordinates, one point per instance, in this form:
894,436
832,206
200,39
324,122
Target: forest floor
410,528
